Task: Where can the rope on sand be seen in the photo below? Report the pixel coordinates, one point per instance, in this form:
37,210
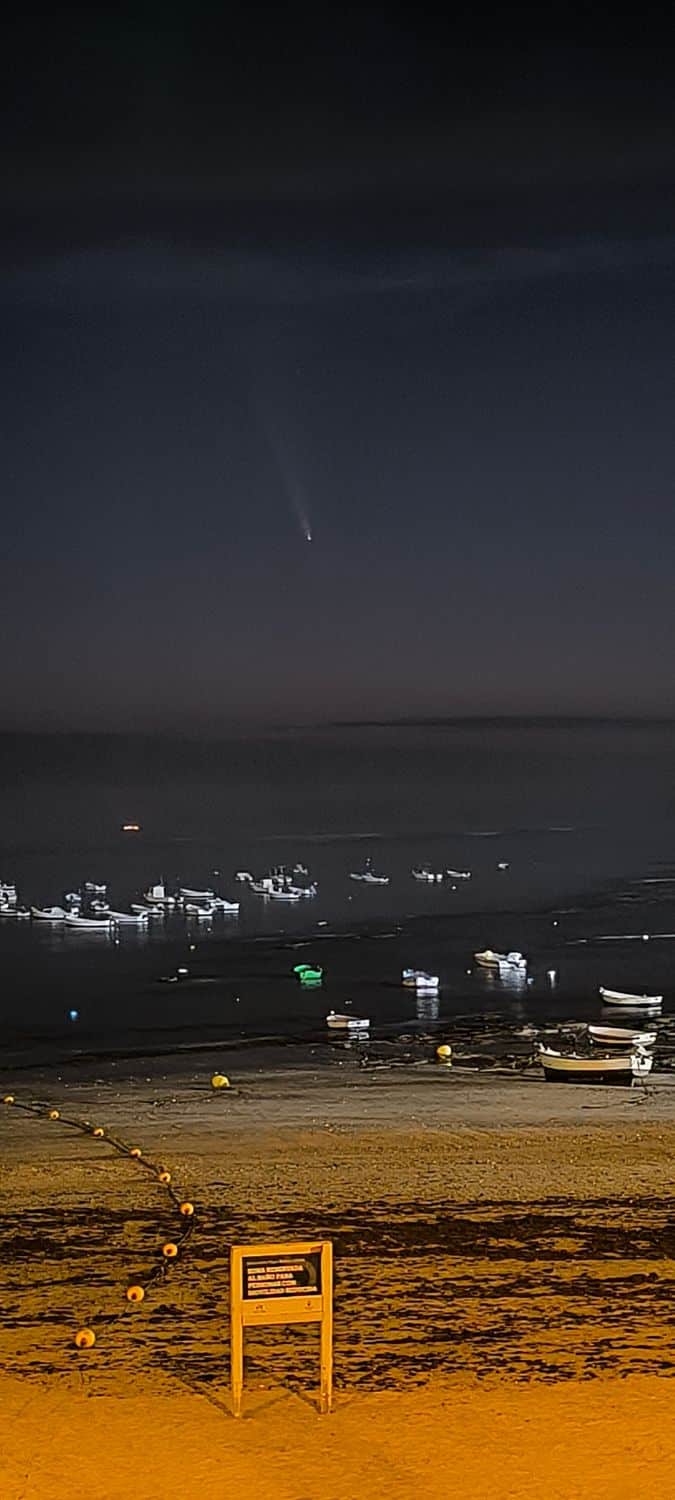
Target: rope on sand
85,1338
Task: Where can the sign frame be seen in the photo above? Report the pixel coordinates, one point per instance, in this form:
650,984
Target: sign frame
292,1304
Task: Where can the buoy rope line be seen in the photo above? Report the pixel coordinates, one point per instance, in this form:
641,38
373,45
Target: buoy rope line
85,1338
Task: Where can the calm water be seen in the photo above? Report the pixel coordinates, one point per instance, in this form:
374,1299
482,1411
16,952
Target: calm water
581,813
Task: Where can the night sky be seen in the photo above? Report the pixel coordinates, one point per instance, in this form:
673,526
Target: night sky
417,300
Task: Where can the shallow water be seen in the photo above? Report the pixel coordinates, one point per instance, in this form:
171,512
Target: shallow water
585,816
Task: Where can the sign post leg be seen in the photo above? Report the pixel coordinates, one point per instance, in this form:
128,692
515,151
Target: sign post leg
236,1335
327,1328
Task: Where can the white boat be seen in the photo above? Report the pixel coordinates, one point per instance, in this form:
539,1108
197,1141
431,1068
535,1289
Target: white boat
570,1068
143,910
272,888
92,889
509,963
99,908
621,997
190,895
244,876
368,876
458,874
347,1023
8,893
91,924
503,864
128,918
48,913
227,907
14,911
621,1036
301,870
426,874
418,979
156,896
202,913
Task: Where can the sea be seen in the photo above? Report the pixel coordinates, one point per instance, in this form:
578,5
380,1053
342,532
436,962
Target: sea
581,811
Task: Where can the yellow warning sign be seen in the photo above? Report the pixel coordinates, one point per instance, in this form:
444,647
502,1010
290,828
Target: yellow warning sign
287,1283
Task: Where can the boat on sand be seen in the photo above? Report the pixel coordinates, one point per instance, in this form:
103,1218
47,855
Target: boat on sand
621,1036
569,1067
347,1023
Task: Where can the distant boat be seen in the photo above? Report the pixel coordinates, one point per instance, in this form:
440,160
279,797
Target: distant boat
244,876
301,870
621,997
92,889
458,874
129,918
418,979
131,828
621,1036
368,876
503,864
512,963
309,974
143,910
202,913
156,896
229,908
425,873
570,1068
191,895
14,911
92,924
347,1023
8,893
48,913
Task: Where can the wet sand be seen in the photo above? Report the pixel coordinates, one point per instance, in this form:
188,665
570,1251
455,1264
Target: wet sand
505,1258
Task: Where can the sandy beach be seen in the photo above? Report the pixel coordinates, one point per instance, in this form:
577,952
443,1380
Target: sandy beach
503,1265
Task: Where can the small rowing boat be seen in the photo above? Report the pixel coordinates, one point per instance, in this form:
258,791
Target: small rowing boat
621,997
621,1036
88,924
48,913
562,1067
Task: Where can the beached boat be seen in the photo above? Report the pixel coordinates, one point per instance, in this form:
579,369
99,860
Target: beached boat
91,924
568,1067
48,913
425,873
419,979
347,1023
621,1036
510,963
458,874
156,896
621,997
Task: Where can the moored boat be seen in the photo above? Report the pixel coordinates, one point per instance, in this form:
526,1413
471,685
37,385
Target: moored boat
458,874
14,911
48,913
621,1036
512,962
368,876
419,979
128,918
90,924
424,873
569,1067
143,910
156,895
622,997
347,1023
190,895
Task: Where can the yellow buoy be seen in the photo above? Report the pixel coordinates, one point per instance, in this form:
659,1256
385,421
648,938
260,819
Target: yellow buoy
187,1209
85,1338
165,1177
135,1294
54,1114
8,1099
444,1052
219,1081
135,1151
170,1250
98,1131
